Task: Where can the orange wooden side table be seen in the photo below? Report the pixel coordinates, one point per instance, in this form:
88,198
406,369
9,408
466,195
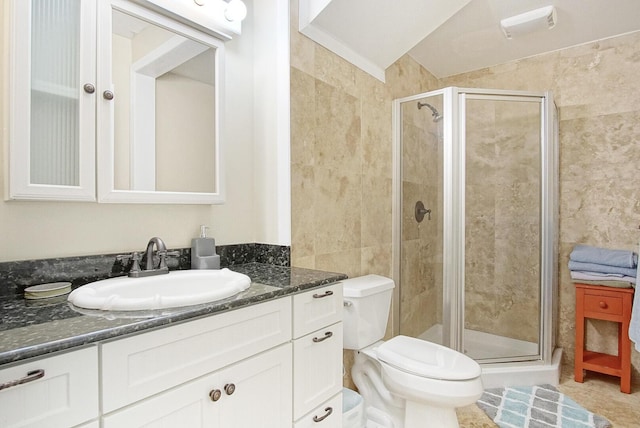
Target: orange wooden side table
610,304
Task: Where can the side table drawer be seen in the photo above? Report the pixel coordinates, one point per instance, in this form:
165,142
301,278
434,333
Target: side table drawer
603,304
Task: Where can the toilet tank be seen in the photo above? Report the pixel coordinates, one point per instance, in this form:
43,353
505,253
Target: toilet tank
366,310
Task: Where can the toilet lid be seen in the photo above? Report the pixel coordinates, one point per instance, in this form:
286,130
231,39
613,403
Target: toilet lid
427,359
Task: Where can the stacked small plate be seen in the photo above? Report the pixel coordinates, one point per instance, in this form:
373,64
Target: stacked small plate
45,291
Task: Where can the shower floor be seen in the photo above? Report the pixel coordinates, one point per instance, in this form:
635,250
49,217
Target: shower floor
484,346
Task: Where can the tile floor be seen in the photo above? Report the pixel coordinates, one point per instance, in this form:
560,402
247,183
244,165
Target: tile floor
599,394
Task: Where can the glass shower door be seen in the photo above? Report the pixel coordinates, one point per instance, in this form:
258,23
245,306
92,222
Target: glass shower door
502,138
422,151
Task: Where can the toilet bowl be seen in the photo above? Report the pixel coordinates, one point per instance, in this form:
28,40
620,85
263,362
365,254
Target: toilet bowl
405,382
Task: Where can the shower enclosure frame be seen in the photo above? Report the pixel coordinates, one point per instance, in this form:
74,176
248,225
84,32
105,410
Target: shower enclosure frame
453,206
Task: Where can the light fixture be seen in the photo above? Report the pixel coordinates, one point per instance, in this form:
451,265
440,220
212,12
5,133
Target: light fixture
235,11
534,20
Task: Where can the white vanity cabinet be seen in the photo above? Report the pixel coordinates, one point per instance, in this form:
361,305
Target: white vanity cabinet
145,364
252,393
317,357
270,365
58,391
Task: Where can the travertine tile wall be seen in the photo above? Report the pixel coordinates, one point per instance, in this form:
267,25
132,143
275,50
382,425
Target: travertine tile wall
341,154
596,89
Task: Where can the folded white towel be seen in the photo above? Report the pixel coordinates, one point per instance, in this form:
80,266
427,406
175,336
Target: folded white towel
595,276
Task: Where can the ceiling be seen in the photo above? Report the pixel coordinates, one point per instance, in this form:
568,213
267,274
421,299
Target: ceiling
449,37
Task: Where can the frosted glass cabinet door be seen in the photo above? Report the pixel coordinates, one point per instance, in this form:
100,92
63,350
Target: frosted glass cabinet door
52,97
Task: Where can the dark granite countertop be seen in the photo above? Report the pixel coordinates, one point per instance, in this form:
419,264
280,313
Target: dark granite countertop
31,328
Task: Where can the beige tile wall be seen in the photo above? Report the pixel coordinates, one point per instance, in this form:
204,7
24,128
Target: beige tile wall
596,89
341,154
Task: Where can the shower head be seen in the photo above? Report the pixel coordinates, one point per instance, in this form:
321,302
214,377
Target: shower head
437,117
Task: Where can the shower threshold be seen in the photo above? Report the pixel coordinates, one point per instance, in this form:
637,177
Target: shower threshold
525,368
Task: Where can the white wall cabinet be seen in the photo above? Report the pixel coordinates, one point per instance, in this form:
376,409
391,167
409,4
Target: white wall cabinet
52,124
58,391
67,61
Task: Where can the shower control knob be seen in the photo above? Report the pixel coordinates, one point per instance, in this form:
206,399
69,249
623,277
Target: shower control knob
420,211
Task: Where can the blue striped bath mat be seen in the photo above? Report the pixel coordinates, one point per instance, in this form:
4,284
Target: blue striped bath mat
541,406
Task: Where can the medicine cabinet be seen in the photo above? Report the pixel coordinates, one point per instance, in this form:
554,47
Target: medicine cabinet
113,102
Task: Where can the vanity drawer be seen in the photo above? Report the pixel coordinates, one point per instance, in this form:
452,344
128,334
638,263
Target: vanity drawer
316,308
65,395
603,304
317,368
327,415
140,366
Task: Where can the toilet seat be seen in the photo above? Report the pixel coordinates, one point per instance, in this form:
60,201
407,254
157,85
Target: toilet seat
426,359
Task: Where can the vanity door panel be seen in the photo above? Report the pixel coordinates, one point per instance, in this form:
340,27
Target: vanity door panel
252,393
142,365
58,391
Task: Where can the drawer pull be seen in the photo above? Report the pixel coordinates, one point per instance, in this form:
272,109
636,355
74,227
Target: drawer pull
328,411
30,377
215,394
325,294
327,335
603,305
229,388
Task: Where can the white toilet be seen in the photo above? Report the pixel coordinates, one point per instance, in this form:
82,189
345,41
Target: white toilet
405,382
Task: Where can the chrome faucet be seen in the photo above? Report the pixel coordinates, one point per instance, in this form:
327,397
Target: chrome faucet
162,252
149,269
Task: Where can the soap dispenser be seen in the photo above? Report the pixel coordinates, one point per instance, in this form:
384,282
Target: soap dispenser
203,251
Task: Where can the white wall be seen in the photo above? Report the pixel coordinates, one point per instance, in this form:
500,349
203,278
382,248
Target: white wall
33,230
272,125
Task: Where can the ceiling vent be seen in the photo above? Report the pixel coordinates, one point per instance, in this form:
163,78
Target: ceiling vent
528,22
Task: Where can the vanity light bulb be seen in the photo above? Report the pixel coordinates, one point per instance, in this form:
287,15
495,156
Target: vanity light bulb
235,11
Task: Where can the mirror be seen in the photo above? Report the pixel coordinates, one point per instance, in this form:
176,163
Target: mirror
162,128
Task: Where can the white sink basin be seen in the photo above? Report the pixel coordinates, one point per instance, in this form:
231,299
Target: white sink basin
177,288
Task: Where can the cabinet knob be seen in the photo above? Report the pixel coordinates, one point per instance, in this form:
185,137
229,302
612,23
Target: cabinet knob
215,394
328,411
89,88
604,305
107,95
229,388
